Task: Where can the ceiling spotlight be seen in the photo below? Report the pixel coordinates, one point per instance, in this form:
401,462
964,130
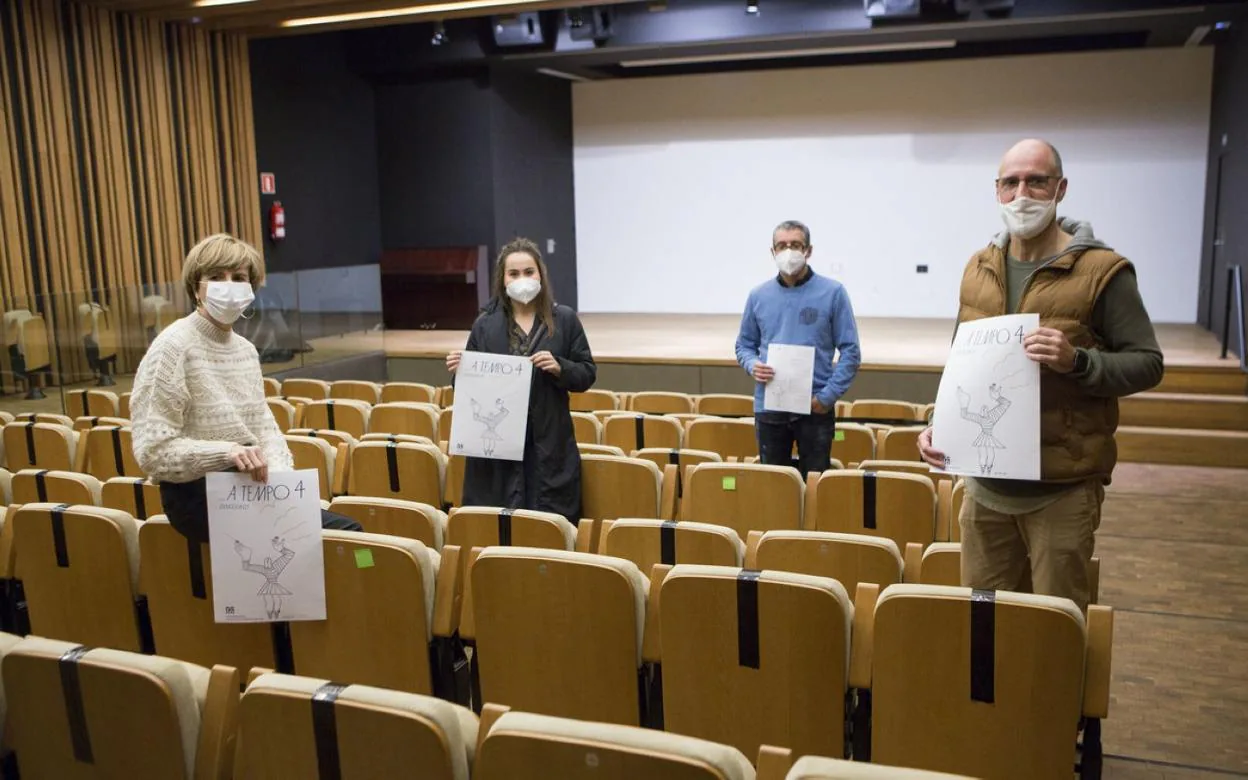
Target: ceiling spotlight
439,34
751,6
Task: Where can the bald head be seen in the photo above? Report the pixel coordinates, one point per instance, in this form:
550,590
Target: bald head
1034,155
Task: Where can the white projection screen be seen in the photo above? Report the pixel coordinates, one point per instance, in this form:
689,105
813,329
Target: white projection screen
679,180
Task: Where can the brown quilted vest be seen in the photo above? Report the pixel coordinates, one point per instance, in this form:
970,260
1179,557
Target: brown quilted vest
1076,429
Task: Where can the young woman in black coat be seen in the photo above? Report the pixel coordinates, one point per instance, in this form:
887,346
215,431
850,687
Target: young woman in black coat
523,319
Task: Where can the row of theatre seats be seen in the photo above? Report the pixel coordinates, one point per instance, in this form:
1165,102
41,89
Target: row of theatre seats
677,627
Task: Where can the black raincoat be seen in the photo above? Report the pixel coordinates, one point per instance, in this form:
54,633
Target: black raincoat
549,478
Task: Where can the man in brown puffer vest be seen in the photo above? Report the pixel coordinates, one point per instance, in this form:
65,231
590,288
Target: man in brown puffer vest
1095,344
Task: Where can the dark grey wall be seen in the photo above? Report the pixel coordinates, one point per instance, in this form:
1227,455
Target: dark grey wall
315,130
1227,200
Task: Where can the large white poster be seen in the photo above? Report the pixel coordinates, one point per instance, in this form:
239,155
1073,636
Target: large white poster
265,538
491,412
987,419
790,390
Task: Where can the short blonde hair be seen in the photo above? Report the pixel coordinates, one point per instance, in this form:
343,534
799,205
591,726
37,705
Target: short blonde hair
220,252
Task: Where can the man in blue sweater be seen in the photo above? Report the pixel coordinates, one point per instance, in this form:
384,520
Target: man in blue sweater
799,307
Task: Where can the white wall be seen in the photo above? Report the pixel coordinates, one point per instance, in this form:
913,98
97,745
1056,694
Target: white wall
679,180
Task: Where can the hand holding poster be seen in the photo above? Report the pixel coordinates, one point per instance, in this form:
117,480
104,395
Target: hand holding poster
987,419
790,389
491,412
265,538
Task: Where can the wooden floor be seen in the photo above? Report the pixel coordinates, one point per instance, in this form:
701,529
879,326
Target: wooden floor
708,339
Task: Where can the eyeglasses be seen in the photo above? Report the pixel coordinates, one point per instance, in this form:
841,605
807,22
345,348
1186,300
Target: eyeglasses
1009,184
780,246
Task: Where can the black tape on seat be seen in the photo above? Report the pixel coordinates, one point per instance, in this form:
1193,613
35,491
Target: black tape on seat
30,442
329,412
325,730
140,500
504,527
747,618
868,500
118,460
196,567
983,645
41,485
639,429
673,457
392,463
86,407
667,543
311,434
71,690
58,535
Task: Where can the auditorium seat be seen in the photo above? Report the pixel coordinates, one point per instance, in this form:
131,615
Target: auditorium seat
984,714
399,437
523,746
45,417
656,402
348,416
586,428
415,472
847,558
381,593
377,733
313,389
80,569
7,643
723,405
756,658
898,443
355,390
590,400
310,452
5,417
272,387
453,490
897,506
414,419
136,496
956,498
395,517
942,564
6,487
284,413
818,768
82,424
683,459
32,486
335,438
123,402
600,449
905,467
107,452
106,713
481,526
446,396
519,608
92,403
744,496
650,542
444,423
631,432
614,487
730,438
40,445
853,443
409,392
883,410
176,576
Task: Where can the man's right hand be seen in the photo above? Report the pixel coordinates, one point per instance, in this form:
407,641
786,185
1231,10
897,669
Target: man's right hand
763,372
452,360
933,457
250,460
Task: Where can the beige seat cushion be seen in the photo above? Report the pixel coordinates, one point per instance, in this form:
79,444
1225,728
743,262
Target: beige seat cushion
816,768
706,528
126,524
559,521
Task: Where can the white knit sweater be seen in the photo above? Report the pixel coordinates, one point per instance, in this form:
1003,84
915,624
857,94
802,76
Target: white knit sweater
198,393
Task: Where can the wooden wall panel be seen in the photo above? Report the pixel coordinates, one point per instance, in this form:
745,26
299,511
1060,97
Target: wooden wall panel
125,141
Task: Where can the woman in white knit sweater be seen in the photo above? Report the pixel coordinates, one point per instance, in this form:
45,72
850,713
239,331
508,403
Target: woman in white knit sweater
198,400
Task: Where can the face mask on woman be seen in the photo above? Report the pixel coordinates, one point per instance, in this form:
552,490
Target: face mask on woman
225,302
524,289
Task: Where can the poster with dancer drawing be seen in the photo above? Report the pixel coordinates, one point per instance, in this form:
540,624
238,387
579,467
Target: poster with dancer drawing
491,412
265,539
987,419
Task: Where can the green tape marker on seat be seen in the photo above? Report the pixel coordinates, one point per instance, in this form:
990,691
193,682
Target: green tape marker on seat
730,483
364,559
840,435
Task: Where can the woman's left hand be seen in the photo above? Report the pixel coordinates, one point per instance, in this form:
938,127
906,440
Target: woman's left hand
547,362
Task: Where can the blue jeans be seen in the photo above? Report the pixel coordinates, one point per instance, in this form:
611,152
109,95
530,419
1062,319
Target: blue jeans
813,433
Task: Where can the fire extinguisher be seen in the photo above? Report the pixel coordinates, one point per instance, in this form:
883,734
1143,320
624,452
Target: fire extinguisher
277,221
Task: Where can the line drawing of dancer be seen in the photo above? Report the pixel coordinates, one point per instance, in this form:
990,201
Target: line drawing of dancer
490,437
986,419
272,591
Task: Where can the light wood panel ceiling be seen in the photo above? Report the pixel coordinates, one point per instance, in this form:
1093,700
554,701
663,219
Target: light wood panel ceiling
287,17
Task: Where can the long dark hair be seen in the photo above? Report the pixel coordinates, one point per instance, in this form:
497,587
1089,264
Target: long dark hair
545,300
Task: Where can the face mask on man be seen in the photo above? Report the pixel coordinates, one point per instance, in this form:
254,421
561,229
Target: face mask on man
790,261
225,302
524,289
1027,217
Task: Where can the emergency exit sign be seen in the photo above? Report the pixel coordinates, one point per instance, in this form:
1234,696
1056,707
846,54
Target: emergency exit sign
268,184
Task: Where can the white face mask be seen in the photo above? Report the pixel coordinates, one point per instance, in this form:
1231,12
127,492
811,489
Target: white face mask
524,289
1026,217
790,261
225,302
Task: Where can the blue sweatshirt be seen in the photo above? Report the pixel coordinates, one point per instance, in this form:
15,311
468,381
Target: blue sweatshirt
815,312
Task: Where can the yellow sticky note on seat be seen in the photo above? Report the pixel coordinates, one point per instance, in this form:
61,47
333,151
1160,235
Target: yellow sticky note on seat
364,559
840,435
730,483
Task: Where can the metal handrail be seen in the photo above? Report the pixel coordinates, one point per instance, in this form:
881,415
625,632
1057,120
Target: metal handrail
1235,292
